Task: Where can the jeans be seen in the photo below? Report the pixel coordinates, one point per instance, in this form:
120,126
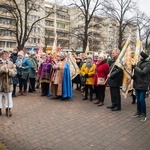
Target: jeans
141,104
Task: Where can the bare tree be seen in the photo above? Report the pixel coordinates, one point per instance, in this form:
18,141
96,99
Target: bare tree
120,10
21,11
86,10
143,27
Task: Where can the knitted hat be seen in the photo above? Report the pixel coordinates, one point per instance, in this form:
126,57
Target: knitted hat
21,53
102,56
144,55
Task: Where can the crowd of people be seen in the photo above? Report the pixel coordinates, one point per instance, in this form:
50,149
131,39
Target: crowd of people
52,74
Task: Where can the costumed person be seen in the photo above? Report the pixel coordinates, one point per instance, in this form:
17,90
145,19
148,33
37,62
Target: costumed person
77,79
141,80
87,71
41,59
44,72
115,79
7,71
101,72
32,71
13,58
23,66
61,84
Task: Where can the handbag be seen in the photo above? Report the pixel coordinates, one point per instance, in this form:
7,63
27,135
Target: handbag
24,75
100,81
83,79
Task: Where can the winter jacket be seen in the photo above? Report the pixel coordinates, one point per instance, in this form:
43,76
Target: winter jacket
102,70
141,76
90,71
33,67
6,86
116,76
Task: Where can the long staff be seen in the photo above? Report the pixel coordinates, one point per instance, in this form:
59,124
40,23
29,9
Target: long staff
8,111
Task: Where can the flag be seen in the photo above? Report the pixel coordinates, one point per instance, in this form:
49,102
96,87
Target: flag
124,61
74,69
138,50
127,70
87,48
54,48
120,60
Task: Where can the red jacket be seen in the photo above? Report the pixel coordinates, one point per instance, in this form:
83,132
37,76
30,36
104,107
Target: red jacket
102,70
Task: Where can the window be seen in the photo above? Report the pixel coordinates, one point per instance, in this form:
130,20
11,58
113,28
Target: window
5,21
33,40
33,18
2,44
11,44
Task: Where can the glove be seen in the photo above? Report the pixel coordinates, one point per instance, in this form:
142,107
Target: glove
86,75
133,66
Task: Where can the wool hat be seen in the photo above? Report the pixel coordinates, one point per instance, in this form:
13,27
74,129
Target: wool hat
21,53
102,56
144,55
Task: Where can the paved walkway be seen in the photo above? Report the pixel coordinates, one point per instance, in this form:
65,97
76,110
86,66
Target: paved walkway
40,123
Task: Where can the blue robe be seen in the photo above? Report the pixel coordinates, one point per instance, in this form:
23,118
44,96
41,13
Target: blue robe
66,82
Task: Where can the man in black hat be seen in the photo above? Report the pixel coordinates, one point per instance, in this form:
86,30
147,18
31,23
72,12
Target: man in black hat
141,81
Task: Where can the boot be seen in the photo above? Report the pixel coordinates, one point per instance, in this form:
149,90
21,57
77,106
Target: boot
20,93
133,99
24,93
8,112
0,111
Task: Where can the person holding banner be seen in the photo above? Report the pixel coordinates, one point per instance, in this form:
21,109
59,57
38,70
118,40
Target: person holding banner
141,80
115,78
7,71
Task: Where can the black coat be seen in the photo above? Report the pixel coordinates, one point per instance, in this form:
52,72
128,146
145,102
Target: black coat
141,76
116,75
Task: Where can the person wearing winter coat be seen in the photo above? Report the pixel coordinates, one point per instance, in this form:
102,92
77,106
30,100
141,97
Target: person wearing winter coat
13,58
32,72
141,80
7,71
101,72
23,66
87,71
115,79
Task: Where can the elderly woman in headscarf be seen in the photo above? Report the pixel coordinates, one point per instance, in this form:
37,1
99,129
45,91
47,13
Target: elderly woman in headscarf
87,71
61,84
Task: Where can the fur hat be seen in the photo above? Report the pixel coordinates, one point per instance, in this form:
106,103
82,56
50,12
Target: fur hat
144,55
96,54
102,56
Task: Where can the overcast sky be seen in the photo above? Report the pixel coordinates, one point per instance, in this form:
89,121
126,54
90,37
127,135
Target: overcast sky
144,5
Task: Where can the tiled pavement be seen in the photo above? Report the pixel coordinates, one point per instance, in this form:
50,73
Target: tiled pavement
40,123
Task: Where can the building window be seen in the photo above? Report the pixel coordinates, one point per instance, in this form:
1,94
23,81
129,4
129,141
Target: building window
11,44
2,44
33,18
5,21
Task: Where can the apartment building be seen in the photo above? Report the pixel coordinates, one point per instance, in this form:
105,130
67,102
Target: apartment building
68,23
103,32
59,22
42,33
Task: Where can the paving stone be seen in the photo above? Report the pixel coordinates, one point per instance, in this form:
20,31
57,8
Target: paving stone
41,123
